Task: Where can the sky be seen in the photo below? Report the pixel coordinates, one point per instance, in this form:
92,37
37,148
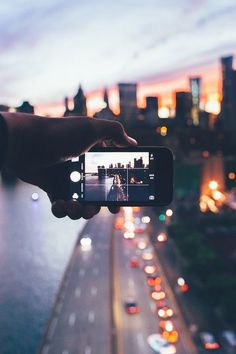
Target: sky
48,47
95,159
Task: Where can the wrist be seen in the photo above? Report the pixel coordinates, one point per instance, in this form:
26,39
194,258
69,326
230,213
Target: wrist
3,140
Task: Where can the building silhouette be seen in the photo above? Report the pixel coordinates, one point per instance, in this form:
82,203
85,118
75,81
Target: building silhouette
183,108
195,90
128,102
80,107
150,112
228,103
26,107
106,112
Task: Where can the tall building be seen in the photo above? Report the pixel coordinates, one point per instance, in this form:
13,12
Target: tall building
195,90
228,114
151,111
26,107
128,101
183,108
80,107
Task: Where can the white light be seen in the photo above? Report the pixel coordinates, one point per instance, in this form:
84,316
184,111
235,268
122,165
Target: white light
75,176
75,196
75,159
169,212
164,112
146,219
180,281
35,196
86,243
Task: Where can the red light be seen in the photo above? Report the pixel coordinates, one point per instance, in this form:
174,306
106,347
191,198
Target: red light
212,345
185,288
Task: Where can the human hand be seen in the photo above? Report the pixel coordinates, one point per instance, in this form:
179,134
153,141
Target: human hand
37,146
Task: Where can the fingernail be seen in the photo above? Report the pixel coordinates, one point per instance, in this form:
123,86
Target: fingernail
132,141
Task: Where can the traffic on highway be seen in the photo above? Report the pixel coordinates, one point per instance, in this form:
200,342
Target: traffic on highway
115,296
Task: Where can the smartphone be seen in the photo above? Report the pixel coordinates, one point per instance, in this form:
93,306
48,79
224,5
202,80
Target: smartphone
137,176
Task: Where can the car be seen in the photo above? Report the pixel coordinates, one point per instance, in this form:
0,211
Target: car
147,256
131,307
162,237
160,345
167,326
153,279
165,312
134,262
160,304
228,340
208,341
129,235
170,336
158,295
150,269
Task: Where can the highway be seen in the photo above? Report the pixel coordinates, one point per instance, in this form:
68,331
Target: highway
89,315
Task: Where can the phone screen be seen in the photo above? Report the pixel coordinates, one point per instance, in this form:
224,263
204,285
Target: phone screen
115,177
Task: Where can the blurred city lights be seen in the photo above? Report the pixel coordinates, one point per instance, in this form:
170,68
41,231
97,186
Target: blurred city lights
162,237
86,243
213,185
217,195
163,131
129,235
164,112
169,212
35,196
146,219
180,281
75,196
231,175
158,295
162,217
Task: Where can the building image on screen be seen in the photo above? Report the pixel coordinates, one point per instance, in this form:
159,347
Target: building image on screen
116,176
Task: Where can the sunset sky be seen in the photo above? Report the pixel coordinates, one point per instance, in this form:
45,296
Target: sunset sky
48,47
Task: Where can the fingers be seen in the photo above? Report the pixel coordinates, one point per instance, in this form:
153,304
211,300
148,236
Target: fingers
114,209
108,130
73,209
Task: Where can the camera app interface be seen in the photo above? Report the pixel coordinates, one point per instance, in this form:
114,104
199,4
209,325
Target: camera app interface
113,176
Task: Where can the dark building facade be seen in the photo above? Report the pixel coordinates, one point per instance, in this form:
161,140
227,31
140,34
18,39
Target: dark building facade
183,108
80,107
228,104
26,107
128,102
106,112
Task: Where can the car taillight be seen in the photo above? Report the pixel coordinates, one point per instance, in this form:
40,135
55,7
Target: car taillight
212,345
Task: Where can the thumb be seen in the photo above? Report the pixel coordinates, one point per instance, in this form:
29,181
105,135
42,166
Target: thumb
111,130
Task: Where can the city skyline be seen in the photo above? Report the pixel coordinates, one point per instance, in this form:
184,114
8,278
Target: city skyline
171,48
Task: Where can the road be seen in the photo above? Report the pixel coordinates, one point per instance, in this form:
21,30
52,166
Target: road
81,320
93,293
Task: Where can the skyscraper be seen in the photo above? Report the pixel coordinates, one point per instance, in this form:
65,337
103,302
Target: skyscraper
195,90
80,107
151,111
128,101
26,107
183,108
228,114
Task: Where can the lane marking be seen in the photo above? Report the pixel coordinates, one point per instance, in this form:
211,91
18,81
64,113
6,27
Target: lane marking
95,270
52,327
131,283
153,307
45,349
94,291
91,316
81,272
77,292
72,319
88,350
140,340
